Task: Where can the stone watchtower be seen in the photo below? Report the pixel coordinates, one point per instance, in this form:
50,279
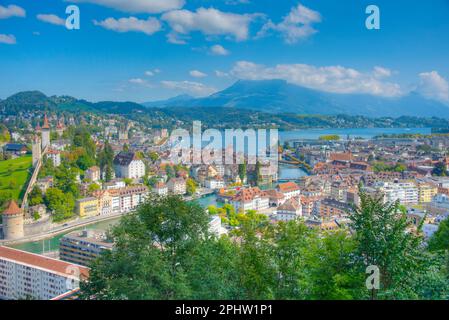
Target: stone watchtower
13,222
45,133
36,150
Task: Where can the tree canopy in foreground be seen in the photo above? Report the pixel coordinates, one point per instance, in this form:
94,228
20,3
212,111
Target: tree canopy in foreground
165,251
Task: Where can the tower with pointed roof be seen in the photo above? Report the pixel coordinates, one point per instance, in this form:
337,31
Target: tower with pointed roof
45,133
13,222
60,127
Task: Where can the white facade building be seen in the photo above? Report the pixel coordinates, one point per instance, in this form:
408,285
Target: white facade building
289,189
406,192
54,156
177,186
127,165
215,183
250,199
160,189
290,210
27,275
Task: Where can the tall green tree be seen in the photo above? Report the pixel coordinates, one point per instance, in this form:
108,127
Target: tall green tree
440,239
152,251
383,240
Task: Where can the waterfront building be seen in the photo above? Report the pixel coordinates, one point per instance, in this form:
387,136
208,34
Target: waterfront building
87,207
289,189
81,247
123,200
25,275
250,199
177,186
215,183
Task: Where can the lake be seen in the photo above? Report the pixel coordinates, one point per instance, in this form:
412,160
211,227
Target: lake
365,133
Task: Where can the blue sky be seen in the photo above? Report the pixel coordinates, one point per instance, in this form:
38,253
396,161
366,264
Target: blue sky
144,50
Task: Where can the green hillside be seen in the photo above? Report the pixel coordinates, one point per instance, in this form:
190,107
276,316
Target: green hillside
14,174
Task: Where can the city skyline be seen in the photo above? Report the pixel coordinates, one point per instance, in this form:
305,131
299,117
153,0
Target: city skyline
149,50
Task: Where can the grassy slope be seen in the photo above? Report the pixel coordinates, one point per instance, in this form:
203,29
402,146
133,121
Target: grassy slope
15,170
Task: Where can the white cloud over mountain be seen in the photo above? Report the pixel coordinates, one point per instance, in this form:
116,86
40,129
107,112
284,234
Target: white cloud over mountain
149,26
137,6
336,79
295,26
51,18
433,86
210,22
11,11
193,88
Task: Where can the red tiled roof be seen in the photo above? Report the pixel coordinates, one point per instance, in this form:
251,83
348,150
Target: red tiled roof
273,194
291,205
12,209
249,194
288,187
46,125
344,156
31,259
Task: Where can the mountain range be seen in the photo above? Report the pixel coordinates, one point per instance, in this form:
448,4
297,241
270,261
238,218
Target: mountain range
278,96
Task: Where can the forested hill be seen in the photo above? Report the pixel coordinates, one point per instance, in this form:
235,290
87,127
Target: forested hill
217,117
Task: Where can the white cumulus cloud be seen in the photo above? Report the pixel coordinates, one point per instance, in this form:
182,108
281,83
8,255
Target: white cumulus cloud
140,82
51,18
153,72
11,11
295,26
336,79
193,88
218,50
137,6
197,74
433,86
149,26
7,38
211,22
